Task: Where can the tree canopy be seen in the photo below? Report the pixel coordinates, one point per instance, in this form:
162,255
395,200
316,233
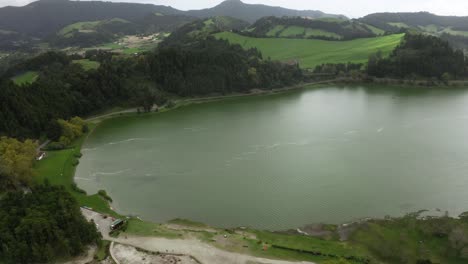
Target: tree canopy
42,225
16,162
420,56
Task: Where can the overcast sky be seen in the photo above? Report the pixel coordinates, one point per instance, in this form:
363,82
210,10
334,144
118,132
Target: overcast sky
350,8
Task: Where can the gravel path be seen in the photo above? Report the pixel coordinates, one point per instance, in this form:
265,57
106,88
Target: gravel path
205,253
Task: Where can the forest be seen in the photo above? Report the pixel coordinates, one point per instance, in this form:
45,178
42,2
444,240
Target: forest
346,29
420,56
64,89
42,225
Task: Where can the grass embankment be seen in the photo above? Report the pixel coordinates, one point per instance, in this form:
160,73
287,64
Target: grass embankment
88,64
312,52
103,251
411,239
26,78
59,169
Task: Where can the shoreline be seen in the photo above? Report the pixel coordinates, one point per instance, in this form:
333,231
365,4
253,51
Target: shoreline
196,100
282,244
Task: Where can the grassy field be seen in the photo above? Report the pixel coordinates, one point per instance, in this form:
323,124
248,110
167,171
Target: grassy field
309,32
26,78
398,24
87,25
375,30
310,52
292,31
88,64
58,169
275,30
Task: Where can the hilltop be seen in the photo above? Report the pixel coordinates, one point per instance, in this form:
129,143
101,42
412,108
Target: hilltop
251,12
420,21
45,17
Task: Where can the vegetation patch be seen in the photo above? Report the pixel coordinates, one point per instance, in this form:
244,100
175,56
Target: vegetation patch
58,169
274,31
26,78
103,250
186,222
310,53
79,26
309,32
42,226
88,64
142,228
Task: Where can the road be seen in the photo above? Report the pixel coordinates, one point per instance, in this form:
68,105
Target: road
205,253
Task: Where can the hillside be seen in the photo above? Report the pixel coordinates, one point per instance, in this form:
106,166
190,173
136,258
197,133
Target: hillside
45,17
421,21
321,28
251,13
310,53
202,28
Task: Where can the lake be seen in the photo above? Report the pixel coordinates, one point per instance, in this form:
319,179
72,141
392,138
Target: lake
328,154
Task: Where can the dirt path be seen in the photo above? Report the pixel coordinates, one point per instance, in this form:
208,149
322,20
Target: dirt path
205,253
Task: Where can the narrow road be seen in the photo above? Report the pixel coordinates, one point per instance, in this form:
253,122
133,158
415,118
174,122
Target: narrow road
43,145
203,252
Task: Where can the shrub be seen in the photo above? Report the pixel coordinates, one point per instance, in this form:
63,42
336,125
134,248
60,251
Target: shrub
55,146
77,189
104,195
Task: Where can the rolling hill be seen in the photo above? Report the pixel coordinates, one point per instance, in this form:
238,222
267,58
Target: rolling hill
321,28
251,12
46,17
420,21
310,52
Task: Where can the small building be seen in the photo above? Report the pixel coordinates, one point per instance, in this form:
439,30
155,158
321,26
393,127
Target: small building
116,224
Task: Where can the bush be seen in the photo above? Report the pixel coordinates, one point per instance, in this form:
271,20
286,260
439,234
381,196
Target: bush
76,189
55,146
170,104
104,195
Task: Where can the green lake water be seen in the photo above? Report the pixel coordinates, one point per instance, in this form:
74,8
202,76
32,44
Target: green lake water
331,154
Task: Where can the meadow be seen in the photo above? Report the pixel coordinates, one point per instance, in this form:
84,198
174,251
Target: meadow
87,64
26,78
58,168
310,52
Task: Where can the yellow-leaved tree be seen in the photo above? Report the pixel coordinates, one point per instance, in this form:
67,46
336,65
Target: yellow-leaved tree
17,160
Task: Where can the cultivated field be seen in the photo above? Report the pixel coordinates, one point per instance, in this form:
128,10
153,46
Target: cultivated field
310,52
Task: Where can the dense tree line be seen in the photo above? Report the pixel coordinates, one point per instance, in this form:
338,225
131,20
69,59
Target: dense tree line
215,66
64,89
420,56
457,41
42,225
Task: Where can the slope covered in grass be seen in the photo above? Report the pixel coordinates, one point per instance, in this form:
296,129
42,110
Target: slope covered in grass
310,52
25,78
87,64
